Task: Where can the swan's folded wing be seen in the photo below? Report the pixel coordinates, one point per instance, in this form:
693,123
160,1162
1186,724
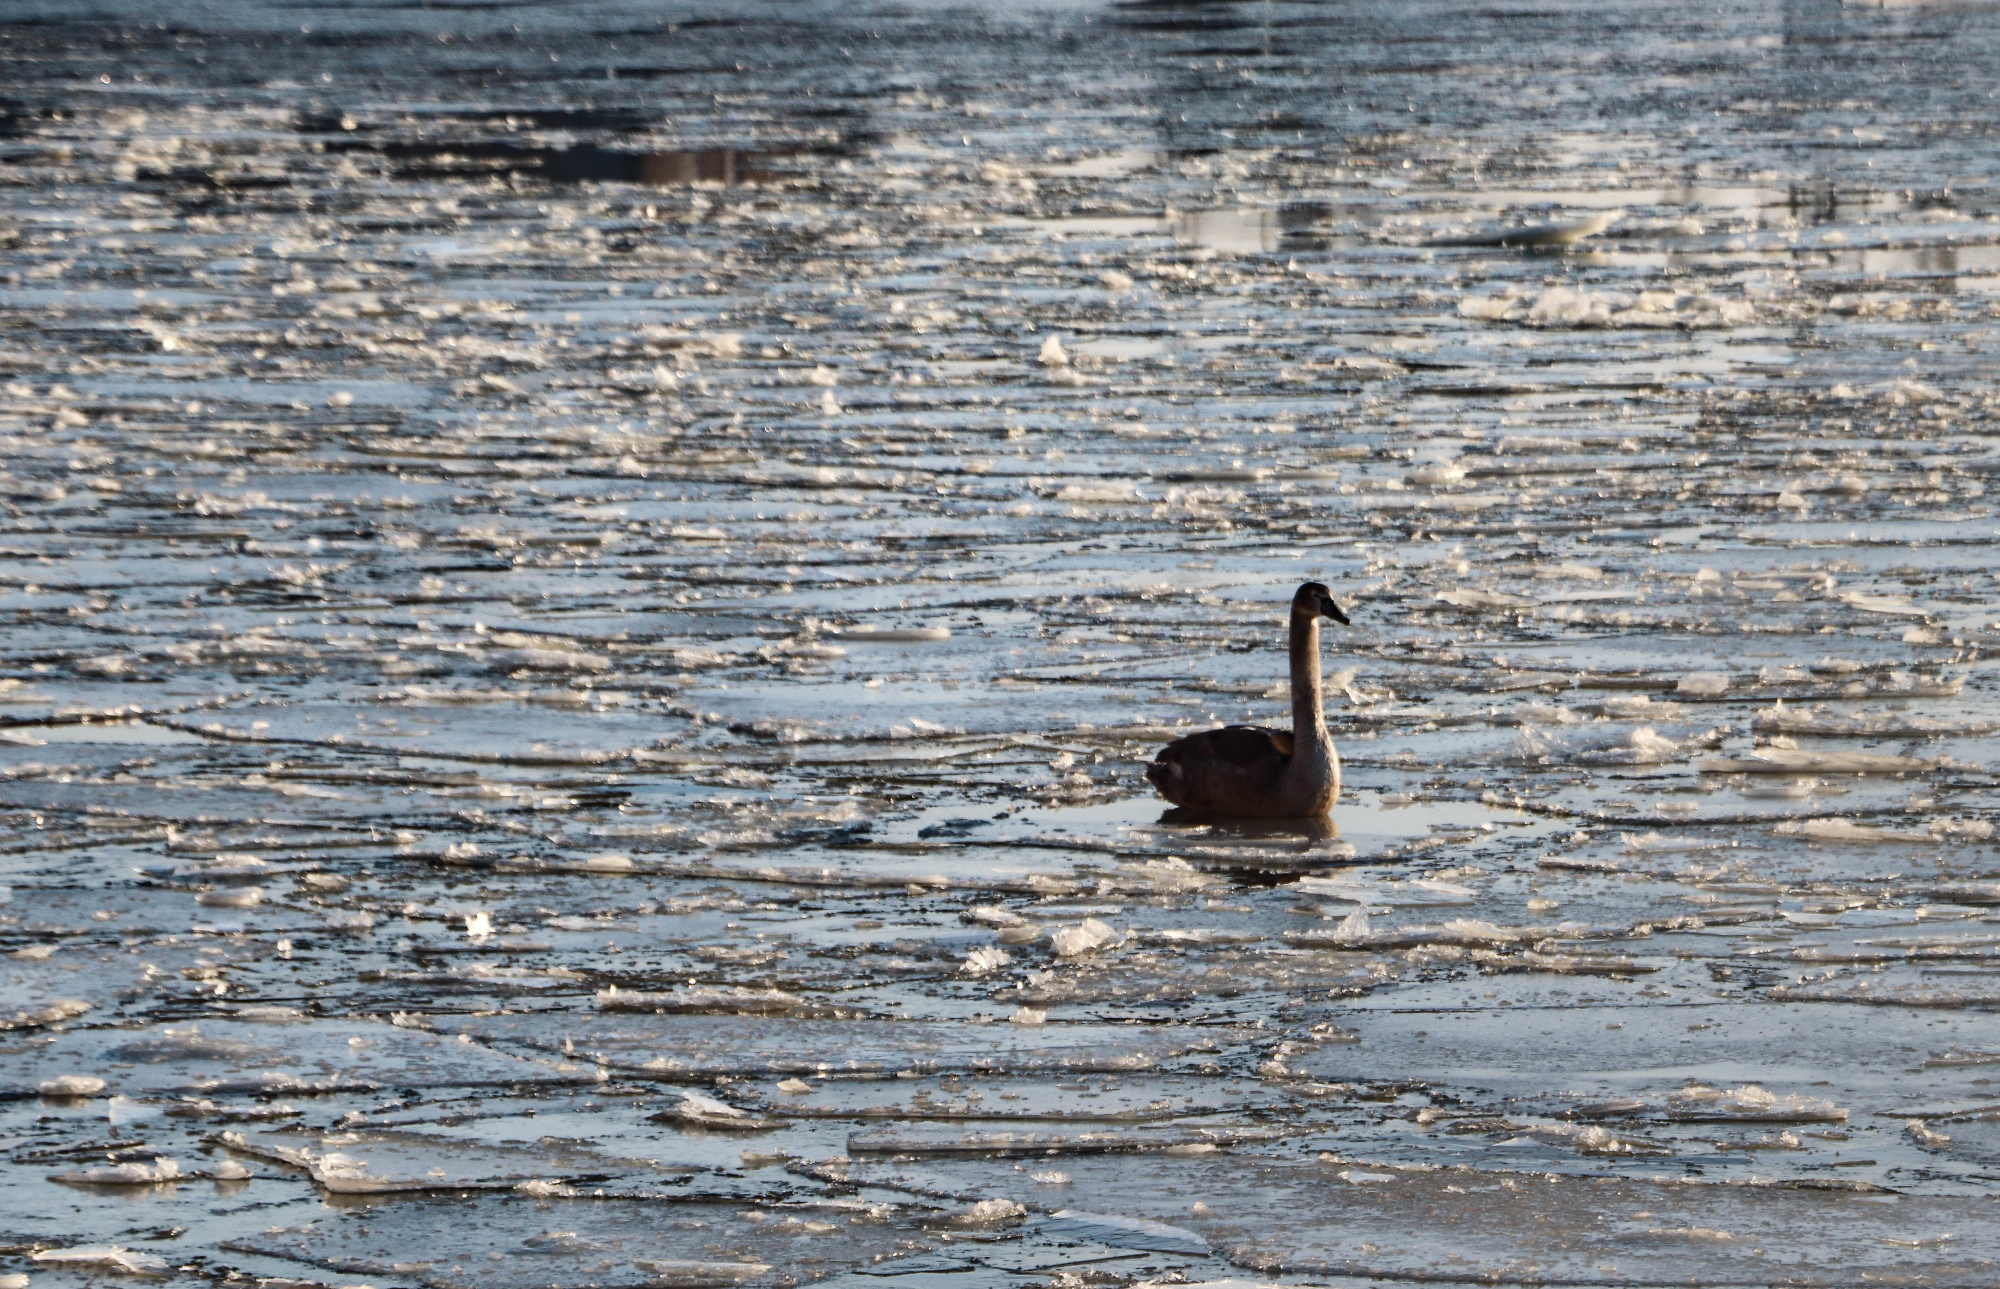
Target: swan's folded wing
1217,767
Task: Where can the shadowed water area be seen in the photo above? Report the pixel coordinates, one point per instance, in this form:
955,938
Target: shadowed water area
589,588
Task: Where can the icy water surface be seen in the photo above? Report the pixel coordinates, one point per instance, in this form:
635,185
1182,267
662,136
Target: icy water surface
589,589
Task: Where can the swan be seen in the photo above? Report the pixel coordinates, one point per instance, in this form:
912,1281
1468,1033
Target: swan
1265,773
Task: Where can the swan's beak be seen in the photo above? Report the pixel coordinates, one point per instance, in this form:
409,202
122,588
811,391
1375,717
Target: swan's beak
1328,609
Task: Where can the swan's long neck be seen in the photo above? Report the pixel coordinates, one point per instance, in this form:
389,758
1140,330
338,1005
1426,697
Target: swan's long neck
1309,737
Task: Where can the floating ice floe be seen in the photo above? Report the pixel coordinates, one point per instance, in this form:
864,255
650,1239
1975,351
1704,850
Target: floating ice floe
108,1256
1890,995
1565,232
1414,892
1122,1232
1700,1103
1565,964
983,960
1979,893
672,1274
728,1000
1568,307
1643,746
983,1215
1458,931
1106,1141
132,1174
1850,831
242,898
1473,598
1089,936
1783,760
705,1111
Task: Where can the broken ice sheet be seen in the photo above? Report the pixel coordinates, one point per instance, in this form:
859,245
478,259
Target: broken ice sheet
1302,1216
476,1239
371,1161
1388,893
705,1047
1750,1103
913,1142
212,1057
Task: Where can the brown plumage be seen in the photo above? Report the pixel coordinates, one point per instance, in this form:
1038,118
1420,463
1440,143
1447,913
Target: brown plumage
1254,771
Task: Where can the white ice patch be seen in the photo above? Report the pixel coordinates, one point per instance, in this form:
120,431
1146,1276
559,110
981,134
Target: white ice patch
1090,936
1567,307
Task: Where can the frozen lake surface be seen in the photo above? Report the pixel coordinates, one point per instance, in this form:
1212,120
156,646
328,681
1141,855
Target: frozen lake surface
588,590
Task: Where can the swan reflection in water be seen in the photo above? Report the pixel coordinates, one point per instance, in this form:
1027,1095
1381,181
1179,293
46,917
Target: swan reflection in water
1283,848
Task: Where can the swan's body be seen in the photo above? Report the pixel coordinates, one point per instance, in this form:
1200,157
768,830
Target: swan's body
1254,771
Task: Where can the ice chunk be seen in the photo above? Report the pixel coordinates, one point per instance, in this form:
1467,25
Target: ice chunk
1418,891
109,1256
1102,492
985,1214
1886,604
700,1108
1458,931
1053,354
1488,308
1784,760
1474,598
1643,746
895,635
1696,1234
949,1142
1700,1103
670,1274
1848,830
241,898
980,961
1703,684
1964,892
992,915
1442,475
1122,1232
72,1085
133,1174
701,999
1090,936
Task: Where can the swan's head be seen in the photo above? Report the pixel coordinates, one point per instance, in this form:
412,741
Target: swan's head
1315,601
